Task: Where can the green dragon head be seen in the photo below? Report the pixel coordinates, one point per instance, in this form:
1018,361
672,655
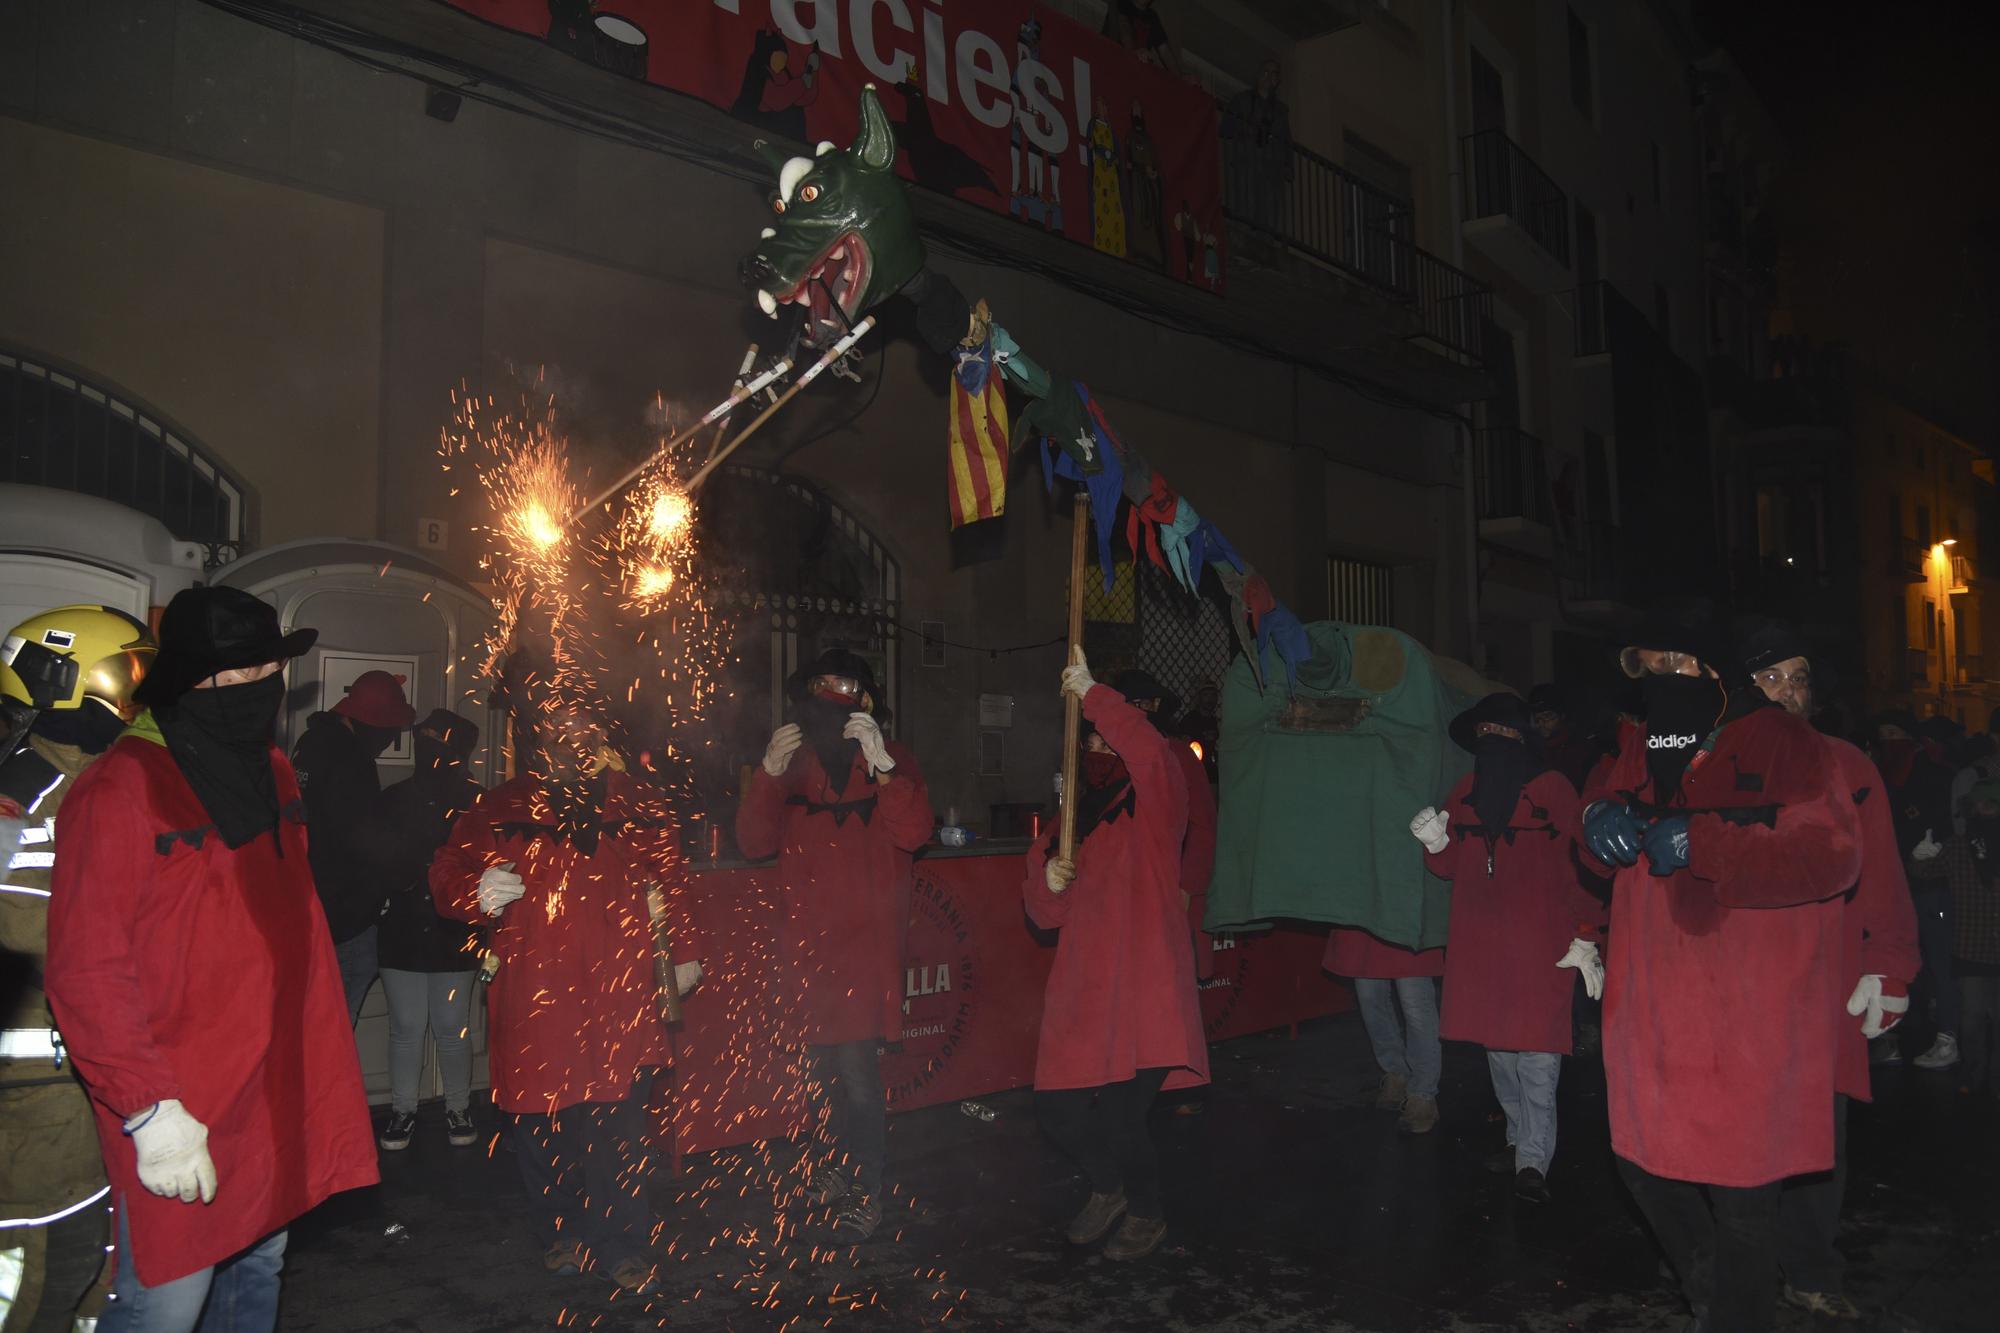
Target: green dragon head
844,235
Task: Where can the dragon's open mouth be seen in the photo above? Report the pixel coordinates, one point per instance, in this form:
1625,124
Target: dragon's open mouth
838,279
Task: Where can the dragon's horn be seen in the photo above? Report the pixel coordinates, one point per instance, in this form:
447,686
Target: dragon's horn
874,145
772,154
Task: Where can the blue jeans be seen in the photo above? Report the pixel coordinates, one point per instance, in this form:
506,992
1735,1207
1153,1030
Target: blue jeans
441,1001
357,969
238,1295
1525,1083
1411,1048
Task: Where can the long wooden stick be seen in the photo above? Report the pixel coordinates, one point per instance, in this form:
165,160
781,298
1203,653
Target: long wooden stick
1073,706
811,373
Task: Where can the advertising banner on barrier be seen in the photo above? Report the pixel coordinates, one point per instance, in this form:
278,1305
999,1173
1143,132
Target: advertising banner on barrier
1004,104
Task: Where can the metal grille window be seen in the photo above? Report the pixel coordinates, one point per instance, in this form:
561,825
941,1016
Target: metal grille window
1359,592
59,429
1149,621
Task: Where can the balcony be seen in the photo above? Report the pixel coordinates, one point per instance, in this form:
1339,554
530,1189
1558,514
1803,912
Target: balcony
1329,215
1909,560
1916,668
1590,321
1963,575
1511,490
1971,669
1514,213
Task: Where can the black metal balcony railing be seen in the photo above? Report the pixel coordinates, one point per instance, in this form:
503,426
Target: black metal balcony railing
1511,475
1593,562
1329,214
1505,182
1971,669
1590,326
59,429
1962,573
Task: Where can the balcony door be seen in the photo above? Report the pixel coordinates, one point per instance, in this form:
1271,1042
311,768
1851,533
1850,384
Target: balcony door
1489,95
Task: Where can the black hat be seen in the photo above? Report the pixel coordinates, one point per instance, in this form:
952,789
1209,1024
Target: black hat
1136,684
1902,719
211,629
1763,642
1941,729
1505,709
1547,698
460,733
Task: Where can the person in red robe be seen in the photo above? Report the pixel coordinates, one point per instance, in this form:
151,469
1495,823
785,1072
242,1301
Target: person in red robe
1879,951
1730,842
194,982
1145,693
842,808
575,866
1506,839
1120,1016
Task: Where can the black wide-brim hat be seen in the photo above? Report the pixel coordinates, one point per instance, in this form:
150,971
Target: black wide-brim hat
1140,684
1505,709
839,662
1689,630
206,630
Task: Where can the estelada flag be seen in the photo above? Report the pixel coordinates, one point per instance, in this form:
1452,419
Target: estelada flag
977,477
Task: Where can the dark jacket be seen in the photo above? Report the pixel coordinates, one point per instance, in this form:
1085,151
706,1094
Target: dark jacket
413,819
338,779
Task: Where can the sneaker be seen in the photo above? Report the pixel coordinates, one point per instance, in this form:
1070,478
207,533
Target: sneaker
1395,1089
857,1217
1827,1304
1099,1212
1943,1053
1420,1115
396,1135
564,1258
636,1276
1501,1163
1885,1050
1531,1185
1136,1237
458,1127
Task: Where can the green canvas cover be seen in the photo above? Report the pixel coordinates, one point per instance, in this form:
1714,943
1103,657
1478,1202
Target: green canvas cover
1319,786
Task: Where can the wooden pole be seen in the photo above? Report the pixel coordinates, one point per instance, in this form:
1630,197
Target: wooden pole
1073,706
812,372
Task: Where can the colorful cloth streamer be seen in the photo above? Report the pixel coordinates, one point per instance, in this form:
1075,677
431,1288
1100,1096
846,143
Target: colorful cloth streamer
1280,628
1232,579
1143,520
1207,546
1105,485
1019,369
1175,538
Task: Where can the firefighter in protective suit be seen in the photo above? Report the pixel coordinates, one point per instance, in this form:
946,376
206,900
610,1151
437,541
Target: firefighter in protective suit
68,676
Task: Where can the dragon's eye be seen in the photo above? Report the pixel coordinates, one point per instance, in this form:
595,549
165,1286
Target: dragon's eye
777,204
809,193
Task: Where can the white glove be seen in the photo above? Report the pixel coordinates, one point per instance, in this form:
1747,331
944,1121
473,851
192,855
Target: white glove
1076,677
686,977
1926,849
785,743
863,728
1057,874
1583,957
498,886
1868,997
1429,828
172,1147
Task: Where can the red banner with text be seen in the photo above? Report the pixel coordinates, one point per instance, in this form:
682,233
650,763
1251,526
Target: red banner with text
1003,103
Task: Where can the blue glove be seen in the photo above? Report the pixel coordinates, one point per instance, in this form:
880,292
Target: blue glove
1666,844
1612,832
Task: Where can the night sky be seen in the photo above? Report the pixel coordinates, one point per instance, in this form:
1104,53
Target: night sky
1892,215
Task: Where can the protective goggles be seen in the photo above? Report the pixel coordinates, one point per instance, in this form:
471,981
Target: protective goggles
840,689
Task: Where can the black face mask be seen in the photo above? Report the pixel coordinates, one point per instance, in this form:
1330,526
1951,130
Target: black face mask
1500,768
1681,712
220,739
376,740
90,728
822,721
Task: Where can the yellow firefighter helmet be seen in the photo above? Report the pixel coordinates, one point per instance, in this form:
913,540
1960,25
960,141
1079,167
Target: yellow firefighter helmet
60,658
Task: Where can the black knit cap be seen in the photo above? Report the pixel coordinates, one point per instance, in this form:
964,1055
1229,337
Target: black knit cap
1136,684
840,662
1763,642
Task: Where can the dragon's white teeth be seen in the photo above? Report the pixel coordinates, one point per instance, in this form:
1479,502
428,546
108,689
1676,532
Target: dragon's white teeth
768,233
767,303
839,252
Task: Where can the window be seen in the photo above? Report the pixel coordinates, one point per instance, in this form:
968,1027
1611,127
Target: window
1930,625
1924,528
1359,591
1895,519
1579,66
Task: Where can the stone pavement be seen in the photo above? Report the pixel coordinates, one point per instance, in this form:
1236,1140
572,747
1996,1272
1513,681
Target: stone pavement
1293,1206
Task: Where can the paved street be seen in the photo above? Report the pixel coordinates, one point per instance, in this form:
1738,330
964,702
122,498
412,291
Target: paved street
1294,1205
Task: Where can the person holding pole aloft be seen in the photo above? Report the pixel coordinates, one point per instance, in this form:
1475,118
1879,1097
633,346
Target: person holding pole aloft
1120,1018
